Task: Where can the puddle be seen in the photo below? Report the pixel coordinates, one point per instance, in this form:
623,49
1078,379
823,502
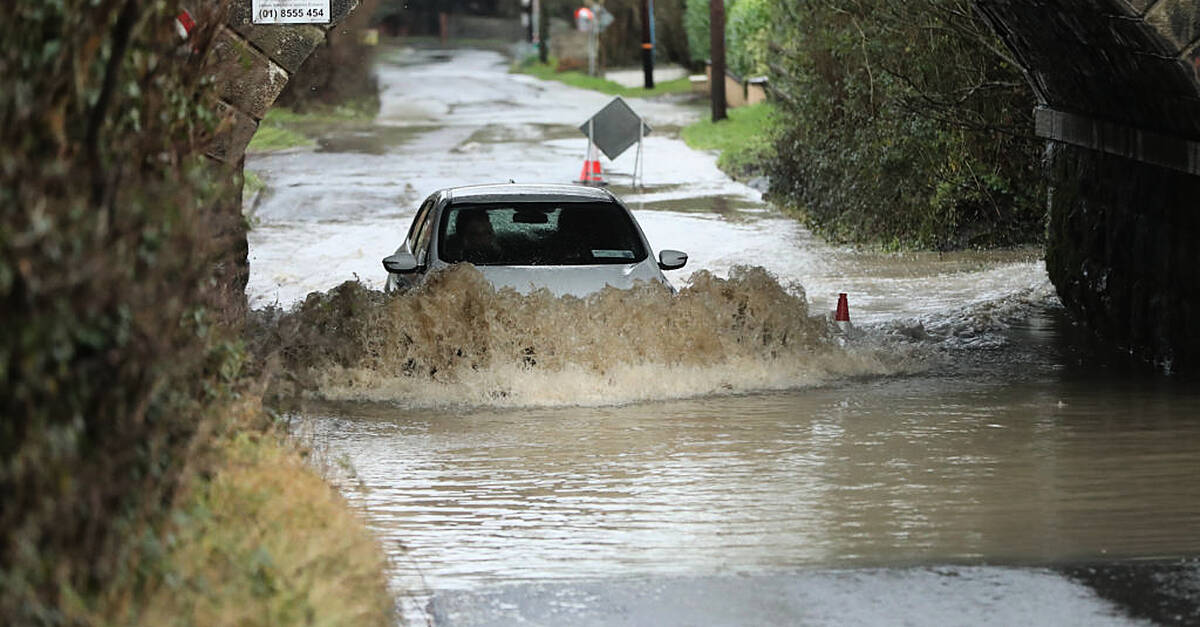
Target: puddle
372,140
734,208
533,133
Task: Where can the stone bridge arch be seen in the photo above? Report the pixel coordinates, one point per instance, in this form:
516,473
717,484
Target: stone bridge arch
1118,84
250,65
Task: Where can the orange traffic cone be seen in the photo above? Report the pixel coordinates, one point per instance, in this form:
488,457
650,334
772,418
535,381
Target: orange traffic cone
591,173
842,316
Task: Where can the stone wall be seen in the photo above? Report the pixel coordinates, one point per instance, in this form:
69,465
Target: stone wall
1122,251
250,65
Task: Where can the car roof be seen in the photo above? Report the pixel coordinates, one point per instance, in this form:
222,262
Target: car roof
527,192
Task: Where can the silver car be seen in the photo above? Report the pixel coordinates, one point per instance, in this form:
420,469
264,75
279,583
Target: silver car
568,239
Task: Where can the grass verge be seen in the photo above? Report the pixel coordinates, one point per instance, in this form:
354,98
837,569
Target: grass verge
744,139
283,128
260,538
252,183
272,136
547,71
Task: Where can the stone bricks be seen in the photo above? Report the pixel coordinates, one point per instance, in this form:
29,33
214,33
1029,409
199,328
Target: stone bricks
1120,251
233,134
1098,58
240,15
1178,21
252,63
1191,61
340,10
287,46
1140,6
246,78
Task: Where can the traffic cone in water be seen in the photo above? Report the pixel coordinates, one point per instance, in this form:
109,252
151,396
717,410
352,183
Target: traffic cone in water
842,316
591,174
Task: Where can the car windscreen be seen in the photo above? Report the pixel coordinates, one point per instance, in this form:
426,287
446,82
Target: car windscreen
539,234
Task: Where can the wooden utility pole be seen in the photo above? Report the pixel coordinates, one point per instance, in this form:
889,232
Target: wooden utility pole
543,31
648,42
716,87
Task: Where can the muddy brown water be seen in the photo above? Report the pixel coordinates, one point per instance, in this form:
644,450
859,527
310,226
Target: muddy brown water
1023,457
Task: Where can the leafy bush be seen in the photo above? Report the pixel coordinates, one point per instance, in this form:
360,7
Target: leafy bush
339,71
903,123
114,276
695,24
748,30
747,33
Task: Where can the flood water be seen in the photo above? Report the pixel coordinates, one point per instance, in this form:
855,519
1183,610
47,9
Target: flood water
1024,459
992,434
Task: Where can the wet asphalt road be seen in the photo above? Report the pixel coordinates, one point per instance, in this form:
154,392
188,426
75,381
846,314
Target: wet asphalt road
1091,595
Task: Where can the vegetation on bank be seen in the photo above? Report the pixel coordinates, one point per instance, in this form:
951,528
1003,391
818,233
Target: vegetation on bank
272,136
744,140
339,71
252,184
123,457
748,32
903,123
549,72
282,128
261,539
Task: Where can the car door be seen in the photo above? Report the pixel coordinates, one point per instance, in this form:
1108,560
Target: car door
423,236
417,243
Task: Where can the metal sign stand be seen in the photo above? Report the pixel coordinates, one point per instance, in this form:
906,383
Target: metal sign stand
590,134
638,162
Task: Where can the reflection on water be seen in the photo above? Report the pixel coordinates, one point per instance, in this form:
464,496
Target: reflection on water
1056,463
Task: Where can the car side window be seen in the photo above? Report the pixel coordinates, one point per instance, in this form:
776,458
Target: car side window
418,222
421,246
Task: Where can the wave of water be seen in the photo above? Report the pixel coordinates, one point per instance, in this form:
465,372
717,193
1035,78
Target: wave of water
456,340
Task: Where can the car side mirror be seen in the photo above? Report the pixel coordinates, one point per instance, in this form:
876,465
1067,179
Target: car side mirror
671,259
400,263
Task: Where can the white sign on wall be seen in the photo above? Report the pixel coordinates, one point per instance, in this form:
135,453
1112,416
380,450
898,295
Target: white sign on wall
290,11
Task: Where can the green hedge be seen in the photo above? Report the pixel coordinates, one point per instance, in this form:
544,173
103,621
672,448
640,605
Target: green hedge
113,277
695,24
748,31
902,123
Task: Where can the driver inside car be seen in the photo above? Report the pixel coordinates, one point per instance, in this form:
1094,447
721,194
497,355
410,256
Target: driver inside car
474,240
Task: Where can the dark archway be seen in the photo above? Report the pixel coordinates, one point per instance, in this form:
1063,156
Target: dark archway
1118,84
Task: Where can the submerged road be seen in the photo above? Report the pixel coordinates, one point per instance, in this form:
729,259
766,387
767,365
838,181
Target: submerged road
1000,472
